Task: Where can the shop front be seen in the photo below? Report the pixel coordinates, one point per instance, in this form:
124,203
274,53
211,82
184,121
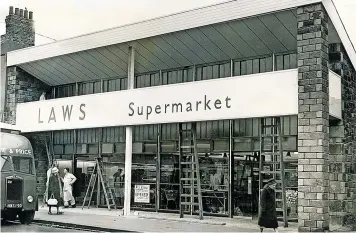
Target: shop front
226,149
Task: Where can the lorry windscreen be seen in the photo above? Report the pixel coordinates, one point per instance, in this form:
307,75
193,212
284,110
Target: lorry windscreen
5,163
19,164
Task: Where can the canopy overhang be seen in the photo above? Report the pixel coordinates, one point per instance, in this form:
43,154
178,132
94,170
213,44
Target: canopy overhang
230,30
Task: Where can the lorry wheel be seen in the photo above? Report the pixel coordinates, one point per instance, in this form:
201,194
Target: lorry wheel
27,217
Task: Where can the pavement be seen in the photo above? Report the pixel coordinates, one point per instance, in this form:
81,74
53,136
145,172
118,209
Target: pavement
112,221
17,227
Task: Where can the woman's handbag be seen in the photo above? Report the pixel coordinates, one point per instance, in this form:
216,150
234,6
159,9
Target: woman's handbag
52,201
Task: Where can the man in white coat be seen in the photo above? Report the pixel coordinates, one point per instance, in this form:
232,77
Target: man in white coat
68,181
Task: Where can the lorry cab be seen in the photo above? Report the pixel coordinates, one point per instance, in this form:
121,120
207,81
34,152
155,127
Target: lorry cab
18,178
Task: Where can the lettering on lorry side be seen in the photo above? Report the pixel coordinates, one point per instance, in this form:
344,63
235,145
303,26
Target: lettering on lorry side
16,151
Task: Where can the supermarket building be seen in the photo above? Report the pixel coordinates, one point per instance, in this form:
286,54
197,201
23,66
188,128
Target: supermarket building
121,94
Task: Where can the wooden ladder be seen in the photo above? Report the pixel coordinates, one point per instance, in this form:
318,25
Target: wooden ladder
271,164
46,138
108,192
190,184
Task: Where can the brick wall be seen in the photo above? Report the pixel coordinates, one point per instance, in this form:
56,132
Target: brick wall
313,118
343,143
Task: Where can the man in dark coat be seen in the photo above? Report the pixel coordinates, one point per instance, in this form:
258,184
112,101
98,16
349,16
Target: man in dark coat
268,216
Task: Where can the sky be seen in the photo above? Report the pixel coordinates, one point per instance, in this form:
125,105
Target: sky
61,19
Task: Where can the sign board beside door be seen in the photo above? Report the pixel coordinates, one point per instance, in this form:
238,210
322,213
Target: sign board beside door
142,194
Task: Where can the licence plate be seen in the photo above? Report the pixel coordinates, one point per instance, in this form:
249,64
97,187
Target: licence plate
14,205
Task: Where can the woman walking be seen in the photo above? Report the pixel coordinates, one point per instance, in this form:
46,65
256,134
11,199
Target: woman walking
54,190
267,215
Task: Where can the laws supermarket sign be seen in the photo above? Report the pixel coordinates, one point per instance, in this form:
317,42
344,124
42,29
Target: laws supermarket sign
258,95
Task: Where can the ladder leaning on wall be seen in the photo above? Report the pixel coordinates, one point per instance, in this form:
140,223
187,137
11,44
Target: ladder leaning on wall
271,162
189,170
46,139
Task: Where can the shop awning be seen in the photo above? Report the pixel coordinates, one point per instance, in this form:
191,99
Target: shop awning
230,30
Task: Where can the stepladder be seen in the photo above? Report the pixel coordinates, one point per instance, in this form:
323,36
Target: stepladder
98,177
190,180
271,164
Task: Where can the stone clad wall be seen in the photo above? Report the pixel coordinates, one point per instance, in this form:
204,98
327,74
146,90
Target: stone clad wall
20,32
343,143
313,118
41,161
21,87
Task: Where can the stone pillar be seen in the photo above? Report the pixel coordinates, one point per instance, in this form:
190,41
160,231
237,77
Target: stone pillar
343,143
21,87
41,162
313,118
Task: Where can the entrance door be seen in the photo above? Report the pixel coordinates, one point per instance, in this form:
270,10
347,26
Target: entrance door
246,184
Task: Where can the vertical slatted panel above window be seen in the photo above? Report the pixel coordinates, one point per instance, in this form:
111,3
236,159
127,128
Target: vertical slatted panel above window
169,132
177,76
286,61
215,71
145,133
279,62
246,127
213,129
88,135
256,66
269,64
147,80
65,91
114,134
237,68
63,137
114,84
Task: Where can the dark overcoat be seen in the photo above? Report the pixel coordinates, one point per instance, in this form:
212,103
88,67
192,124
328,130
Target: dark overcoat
267,215
55,188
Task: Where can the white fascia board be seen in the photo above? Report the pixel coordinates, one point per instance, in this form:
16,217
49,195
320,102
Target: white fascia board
341,30
199,17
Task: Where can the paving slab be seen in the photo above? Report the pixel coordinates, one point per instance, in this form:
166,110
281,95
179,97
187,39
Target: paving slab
147,222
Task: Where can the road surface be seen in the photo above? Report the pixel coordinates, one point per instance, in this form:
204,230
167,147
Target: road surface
16,227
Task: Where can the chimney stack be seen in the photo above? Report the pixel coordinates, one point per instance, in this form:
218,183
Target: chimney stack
20,32
26,14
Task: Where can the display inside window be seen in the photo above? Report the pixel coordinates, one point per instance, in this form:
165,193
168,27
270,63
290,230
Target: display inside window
214,172
143,176
169,187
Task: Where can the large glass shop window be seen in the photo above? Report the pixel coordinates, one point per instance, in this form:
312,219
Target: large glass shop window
113,153
213,149
169,176
214,171
169,183
143,180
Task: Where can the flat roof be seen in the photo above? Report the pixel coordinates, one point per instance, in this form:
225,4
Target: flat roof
44,60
